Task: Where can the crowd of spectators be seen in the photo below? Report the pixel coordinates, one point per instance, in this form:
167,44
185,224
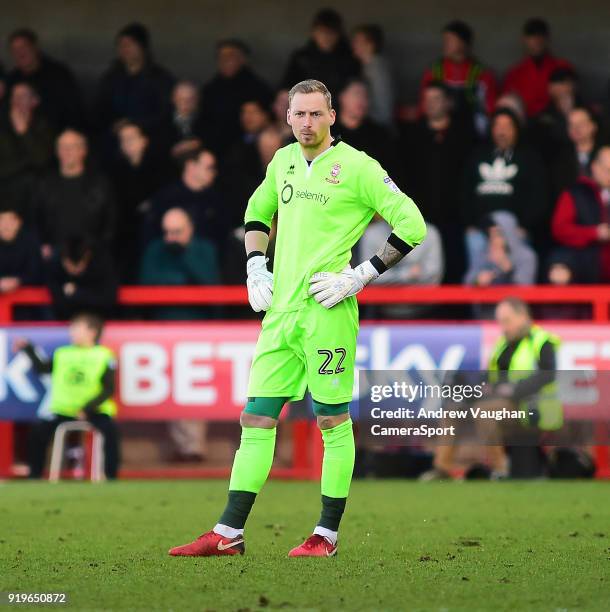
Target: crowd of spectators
149,184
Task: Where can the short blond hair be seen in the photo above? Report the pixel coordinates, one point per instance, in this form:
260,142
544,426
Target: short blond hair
311,86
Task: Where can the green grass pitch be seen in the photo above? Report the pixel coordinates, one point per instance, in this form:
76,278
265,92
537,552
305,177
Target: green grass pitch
404,546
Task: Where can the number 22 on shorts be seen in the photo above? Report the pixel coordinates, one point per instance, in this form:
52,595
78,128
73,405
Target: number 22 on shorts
328,355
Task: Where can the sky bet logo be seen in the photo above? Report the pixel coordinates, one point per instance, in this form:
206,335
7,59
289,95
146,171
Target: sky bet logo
288,191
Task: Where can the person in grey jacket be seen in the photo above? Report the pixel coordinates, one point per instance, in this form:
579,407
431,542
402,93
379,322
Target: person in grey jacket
424,266
499,255
502,256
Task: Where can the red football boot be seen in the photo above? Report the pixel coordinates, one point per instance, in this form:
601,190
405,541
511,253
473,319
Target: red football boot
314,546
210,544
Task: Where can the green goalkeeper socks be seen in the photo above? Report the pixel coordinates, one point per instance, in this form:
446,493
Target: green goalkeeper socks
339,456
251,467
235,513
253,459
337,468
253,462
332,511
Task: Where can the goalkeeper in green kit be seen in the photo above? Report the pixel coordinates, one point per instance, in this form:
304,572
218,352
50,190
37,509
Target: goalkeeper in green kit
324,193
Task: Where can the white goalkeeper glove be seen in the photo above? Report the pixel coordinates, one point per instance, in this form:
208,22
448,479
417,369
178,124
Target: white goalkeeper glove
259,282
329,288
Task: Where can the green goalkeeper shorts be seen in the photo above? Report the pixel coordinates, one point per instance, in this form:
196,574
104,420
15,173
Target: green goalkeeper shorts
312,347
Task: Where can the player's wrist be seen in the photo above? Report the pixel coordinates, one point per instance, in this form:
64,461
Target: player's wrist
366,272
256,262
378,264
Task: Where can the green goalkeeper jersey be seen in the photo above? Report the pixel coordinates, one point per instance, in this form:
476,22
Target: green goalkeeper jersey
323,208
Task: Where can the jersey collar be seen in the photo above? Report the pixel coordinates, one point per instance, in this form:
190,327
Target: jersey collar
335,142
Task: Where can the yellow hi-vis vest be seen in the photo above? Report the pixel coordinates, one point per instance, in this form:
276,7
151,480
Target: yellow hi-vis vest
524,360
76,378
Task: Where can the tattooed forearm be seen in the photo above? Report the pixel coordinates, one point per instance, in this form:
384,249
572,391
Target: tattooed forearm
389,255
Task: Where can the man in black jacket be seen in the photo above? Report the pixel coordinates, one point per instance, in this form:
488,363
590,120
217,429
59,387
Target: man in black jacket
549,129
222,97
327,56
243,160
19,253
134,87
574,159
74,200
26,147
184,126
436,147
60,97
196,193
357,129
137,173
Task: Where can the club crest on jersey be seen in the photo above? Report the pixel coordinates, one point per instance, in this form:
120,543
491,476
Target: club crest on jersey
334,173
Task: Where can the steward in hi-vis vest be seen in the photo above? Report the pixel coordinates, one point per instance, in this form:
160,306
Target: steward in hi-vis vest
80,380
524,358
82,385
